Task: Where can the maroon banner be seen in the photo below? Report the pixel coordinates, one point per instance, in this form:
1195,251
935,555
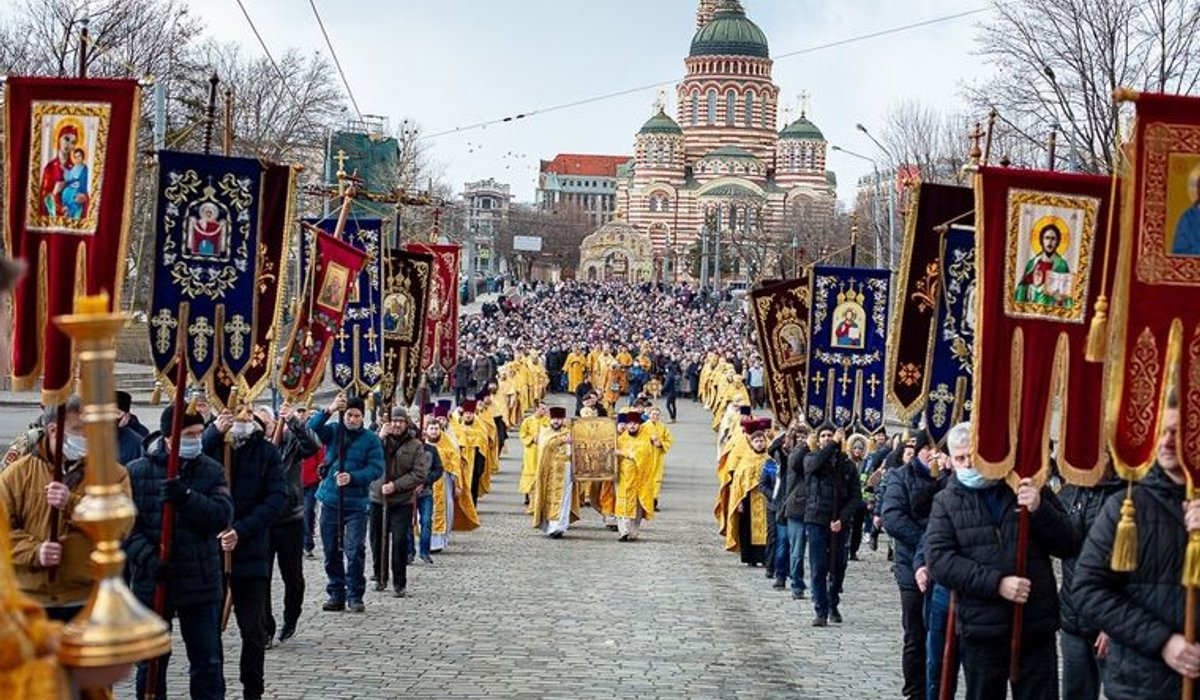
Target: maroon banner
780,312
1040,246
441,325
1156,305
69,165
337,268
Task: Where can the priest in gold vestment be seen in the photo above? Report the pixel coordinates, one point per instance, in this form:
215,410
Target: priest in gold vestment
746,506
635,478
574,367
554,500
530,428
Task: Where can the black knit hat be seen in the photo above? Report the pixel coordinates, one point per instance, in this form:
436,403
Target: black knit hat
356,402
168,416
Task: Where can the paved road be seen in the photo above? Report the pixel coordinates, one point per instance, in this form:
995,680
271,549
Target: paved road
507,613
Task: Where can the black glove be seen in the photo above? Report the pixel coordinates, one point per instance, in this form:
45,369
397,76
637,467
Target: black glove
175,491
322,471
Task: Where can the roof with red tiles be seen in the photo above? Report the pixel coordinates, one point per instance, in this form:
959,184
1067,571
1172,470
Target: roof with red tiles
584,164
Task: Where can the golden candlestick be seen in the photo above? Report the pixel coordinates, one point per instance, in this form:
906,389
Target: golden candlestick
113,628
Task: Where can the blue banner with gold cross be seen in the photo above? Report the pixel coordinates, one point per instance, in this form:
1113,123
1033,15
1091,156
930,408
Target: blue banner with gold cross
847,347
356,358
206,256
951,354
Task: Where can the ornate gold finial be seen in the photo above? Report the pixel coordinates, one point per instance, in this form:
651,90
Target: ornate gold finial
976,136
991,129
341,161
113,628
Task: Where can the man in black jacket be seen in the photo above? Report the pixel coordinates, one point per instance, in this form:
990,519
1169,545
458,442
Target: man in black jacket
1142,611
406,466
905,506
463,381
296,443
793,513
259,497
971,548
1083,647
192,576
831,496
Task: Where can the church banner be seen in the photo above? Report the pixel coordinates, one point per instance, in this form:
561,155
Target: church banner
1040,239
1156,306
70,156
780,313
441,325
910,349
276,224
328,287
848,325
952,352
356,355
206,255
407,281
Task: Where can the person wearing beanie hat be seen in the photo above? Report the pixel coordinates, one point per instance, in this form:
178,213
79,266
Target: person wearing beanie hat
554,499
635,480
131,434
260,496
203,509
833,494
353,459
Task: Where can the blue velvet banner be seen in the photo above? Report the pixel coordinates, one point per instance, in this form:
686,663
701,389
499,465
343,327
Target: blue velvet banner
356,359
847,347
206,255
952,355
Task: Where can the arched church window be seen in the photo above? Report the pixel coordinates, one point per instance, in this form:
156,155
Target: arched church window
712,107
750,108
695,107
730,107
654,203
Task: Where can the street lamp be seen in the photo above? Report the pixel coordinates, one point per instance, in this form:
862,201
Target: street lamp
875,201
891,196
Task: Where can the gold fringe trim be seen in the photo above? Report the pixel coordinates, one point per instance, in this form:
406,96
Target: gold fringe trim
1191,561
1124,553
1097,340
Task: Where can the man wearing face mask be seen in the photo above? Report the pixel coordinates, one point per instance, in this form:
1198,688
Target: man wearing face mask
406,466
971,548
52,571
203,509
353,459
259,497
905,505
295,443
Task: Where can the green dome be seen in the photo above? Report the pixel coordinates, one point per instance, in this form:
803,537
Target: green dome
730,33
802,128
660,124
728,152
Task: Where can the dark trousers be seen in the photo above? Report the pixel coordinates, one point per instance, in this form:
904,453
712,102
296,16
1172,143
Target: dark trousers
752,554
251,607
912,617
797,544
782,552
477,477
937,608
425,521
200,626
769,550
344,565
287,545
985,663
63,613
399,527
671,408
1080,668
827,566
856,529
310,517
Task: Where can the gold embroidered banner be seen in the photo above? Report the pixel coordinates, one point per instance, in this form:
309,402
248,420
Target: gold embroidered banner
780,313
593,442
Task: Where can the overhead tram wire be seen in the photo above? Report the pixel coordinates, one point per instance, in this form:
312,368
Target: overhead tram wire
664,83
334,56
263,44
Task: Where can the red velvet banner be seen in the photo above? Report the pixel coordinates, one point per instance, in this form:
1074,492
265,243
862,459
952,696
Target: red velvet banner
1156,310
1040,246
70,155
328,290
441,325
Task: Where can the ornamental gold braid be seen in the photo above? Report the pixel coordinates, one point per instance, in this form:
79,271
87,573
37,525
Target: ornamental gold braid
1144,369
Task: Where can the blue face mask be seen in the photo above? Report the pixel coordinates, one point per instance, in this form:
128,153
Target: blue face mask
189,448
973,479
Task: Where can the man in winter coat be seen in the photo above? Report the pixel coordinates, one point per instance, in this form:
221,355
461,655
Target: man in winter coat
407,465
259,497
831,495
296,444
203,509
793,513
1142,611
130,432
463,380
971,548
906,503
353,459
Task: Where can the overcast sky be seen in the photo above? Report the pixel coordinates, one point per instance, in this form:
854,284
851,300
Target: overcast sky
452,63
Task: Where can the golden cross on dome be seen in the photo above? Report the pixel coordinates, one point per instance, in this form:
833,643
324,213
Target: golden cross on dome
341,161
660,102
804,97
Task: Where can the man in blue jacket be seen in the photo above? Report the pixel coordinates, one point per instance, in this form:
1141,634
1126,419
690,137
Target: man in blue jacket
353,459
192,576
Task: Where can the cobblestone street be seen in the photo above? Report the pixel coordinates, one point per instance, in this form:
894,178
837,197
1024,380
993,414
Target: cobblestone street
508,613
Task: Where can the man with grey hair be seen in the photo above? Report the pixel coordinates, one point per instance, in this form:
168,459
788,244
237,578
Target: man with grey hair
971,549
52,562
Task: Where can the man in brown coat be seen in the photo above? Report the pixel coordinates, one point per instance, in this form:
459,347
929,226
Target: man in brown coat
405,469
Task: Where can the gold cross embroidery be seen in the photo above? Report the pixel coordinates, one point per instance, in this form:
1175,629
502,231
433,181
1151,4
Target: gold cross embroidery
873,382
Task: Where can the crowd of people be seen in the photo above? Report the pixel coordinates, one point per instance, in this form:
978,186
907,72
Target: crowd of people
258,488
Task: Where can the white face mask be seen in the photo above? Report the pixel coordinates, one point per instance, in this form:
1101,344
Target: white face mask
74,447
242,430
189,448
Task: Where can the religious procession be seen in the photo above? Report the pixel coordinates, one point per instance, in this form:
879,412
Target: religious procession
412,443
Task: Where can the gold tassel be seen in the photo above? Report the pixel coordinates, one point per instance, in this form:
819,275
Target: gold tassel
156,395
1124,554
1097,340
1191,561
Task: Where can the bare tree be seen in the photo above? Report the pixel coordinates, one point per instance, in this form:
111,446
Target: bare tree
561,230
1058,61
